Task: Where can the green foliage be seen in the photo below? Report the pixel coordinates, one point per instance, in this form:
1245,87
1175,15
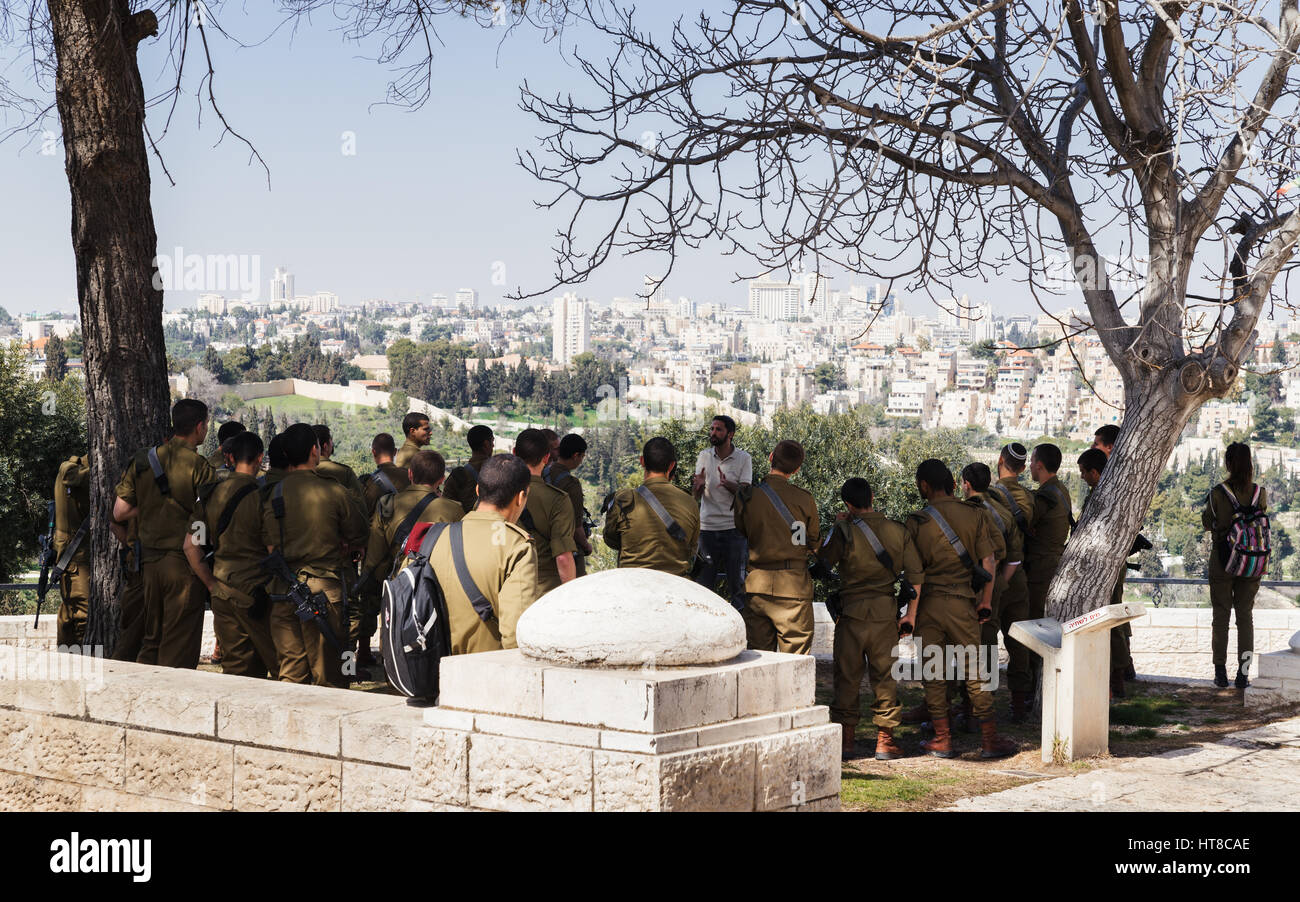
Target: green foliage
56,359
41,425
5,318
303,359
984,350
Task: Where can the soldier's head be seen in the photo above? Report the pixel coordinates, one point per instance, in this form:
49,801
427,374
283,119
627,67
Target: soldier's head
856,495
427,468
325,440
503,485
190,421
934,479
245,451
721,430
275,456
573,448
787,457
1011,459
383,449
415,426
533,449
480,439
552,442
975,479
659,457
301,451
1044,462
1091,463
1104,438
224,435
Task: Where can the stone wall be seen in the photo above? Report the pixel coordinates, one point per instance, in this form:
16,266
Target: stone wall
361,395
111,736
1167,642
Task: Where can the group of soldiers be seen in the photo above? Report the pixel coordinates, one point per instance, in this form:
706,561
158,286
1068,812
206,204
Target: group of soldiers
198,531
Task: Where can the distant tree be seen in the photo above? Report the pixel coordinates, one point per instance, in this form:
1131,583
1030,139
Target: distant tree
738,397
56,359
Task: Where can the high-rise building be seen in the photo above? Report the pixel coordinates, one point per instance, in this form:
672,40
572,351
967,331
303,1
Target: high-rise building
771,301
212,303
468,298
282,286
570,327
658,300
815,296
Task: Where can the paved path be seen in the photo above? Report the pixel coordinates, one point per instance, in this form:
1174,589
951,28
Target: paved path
1255,770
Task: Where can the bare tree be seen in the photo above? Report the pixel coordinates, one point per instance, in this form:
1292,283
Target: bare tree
935,141
90,48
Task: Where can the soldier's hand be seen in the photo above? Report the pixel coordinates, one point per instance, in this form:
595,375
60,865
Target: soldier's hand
906,625
984,612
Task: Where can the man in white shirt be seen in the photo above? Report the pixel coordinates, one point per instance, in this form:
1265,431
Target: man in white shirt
720,471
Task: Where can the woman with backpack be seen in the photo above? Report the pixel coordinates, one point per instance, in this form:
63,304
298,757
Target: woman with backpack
1234,513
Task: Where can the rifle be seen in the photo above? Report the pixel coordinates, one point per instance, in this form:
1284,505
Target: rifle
47,558
906,592
309,606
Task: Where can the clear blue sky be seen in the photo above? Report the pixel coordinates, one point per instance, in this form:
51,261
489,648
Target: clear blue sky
429,202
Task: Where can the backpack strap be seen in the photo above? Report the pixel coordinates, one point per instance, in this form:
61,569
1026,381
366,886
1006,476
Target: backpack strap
482,606
781,509
951,536
881,554
404,528
674,529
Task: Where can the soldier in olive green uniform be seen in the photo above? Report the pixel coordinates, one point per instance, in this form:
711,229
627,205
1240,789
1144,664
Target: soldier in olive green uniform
499,555
868,621
71,511
637,530
416,428
1014,603
318,528
340,473
232,517
220,456
130,603
387,479
778,607
462,481
393,512
947,614
548,516
1231,595
1053,520
559,474
278,466
174,596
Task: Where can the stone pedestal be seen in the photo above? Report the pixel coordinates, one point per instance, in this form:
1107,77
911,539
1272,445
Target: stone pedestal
1076,678
516,733
1278,680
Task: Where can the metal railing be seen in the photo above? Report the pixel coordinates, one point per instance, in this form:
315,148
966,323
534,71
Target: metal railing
1159,582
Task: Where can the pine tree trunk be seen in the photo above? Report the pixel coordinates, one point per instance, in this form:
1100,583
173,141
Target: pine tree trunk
1154,416
100,101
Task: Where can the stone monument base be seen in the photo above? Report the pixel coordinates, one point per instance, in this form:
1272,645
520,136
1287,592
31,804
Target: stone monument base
1278,682
514,733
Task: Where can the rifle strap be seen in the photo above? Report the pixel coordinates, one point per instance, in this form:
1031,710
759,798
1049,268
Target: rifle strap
1061,499
471,470
1015,508
384,481
882,555
159,474
674,528
951,536
228,514
482,606
777,503
277,507
997,518
66,558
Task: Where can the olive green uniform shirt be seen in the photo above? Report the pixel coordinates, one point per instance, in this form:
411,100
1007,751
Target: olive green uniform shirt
390,513
346,477
502,562
863,578
1052,510
563,479
318,521
462,486
72,506
1004,524
242,547
634,530
944,570
374,489
549,522
404,454
1024,501
778,560
165,520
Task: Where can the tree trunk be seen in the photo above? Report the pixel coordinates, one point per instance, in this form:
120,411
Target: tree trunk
101,106
1155,412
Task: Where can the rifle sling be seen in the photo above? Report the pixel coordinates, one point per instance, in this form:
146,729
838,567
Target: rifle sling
674,528
66,558
951,536
881,554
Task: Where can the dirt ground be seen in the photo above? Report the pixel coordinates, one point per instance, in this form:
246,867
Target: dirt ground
1155,718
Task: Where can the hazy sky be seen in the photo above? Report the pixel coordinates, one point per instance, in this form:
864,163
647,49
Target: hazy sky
431,200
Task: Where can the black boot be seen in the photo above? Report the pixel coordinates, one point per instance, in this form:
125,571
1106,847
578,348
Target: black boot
1221,675
1241,682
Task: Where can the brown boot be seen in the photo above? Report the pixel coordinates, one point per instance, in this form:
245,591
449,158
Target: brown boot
848,740
995,746
1019,705
886,749
941,745
919,714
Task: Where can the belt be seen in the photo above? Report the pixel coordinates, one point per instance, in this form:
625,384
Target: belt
786,565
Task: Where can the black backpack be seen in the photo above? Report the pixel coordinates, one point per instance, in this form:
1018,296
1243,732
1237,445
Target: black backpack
414,620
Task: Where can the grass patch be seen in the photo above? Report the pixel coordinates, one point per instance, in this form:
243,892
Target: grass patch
298,405
876,792
1144,711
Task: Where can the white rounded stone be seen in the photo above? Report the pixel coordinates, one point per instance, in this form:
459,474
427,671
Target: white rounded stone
631,618
1295,642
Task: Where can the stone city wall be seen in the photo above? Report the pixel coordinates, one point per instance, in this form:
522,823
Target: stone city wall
361,395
